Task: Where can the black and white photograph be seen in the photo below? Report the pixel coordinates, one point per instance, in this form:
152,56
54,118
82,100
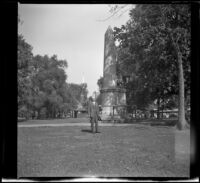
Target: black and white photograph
103,90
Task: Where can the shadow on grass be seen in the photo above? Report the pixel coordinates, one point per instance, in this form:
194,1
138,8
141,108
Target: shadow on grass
22,120
167,123
89,131
153,122
86,130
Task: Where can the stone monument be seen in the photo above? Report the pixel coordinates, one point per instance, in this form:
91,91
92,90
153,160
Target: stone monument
113,97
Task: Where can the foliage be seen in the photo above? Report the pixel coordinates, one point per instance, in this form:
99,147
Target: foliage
153,45
100,83
42,87
24,69
79,92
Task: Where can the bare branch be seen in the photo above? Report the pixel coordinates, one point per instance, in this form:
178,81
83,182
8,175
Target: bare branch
115,12
124,12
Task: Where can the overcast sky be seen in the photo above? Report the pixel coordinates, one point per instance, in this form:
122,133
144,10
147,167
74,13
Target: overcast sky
73,33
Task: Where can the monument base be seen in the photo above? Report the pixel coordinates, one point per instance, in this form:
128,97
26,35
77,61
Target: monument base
110,119
113,104
113,113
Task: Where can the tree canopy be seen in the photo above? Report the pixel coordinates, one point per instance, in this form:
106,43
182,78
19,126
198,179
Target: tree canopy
154,50
42,86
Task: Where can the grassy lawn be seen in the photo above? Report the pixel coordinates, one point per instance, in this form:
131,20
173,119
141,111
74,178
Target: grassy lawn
118,151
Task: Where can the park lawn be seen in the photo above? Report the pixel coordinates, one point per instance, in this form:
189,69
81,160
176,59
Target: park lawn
118,151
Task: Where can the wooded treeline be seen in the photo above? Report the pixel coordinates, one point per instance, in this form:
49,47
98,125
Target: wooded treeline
42,88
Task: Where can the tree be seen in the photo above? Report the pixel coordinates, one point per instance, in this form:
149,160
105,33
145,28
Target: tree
42,86
50,78
179,35
24,61
24,57
155,45
100,83
78,93
174,21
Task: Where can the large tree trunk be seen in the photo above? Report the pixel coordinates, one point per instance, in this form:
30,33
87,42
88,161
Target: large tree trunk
181,109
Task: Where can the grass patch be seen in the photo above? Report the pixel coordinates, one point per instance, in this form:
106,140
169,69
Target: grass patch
138,150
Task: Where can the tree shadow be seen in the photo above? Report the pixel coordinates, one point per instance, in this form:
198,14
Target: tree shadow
86,130
22,120
166,123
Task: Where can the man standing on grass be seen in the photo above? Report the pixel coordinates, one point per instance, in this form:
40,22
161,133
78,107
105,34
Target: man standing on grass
93,112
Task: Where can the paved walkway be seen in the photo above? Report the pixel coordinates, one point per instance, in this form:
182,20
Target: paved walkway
78,122
71,124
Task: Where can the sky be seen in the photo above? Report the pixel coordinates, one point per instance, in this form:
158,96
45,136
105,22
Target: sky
74,33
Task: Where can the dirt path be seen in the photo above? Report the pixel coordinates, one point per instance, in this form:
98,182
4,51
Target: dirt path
71,124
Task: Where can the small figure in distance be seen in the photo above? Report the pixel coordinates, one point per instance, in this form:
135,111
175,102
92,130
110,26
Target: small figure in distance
93,112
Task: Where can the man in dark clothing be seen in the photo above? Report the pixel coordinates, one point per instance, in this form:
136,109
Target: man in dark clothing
93,112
